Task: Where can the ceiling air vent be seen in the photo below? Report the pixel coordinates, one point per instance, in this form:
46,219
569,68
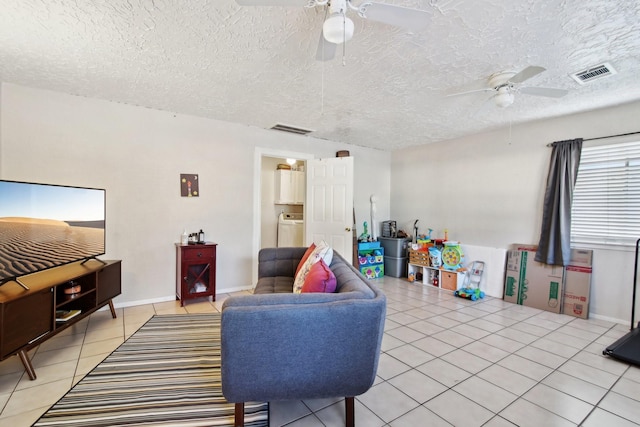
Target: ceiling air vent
290,129
593,73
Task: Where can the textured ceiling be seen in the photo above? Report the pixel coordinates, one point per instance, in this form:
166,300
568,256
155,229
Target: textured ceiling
256,65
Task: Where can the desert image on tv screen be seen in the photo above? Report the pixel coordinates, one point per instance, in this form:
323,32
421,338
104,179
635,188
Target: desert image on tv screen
43,226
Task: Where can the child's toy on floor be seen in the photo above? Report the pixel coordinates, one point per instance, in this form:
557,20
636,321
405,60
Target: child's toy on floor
469,293
471,286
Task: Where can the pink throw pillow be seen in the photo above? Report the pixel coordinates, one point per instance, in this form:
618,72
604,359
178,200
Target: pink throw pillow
320,279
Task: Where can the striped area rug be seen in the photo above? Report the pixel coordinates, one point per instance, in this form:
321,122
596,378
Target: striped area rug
166,374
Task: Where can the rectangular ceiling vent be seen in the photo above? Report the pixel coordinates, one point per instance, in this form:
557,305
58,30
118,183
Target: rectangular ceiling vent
290,129
594,73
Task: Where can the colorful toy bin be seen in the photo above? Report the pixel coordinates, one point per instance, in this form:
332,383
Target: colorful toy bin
371,260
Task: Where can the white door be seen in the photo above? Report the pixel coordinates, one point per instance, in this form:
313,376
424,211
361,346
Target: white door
329,203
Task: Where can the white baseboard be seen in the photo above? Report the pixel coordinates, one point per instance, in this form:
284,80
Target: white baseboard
172,298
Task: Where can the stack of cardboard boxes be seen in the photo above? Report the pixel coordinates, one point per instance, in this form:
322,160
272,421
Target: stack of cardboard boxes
553,288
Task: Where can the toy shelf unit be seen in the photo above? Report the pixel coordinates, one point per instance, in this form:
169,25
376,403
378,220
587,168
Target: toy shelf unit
440,277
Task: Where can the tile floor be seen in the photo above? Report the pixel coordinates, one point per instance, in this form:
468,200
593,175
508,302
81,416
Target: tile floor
445,361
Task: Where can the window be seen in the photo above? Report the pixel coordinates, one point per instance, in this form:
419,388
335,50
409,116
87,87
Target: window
606,203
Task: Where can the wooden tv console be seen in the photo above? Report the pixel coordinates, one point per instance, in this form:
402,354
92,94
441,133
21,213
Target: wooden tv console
28,317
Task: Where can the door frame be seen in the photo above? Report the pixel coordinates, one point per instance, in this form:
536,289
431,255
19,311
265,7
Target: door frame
259,153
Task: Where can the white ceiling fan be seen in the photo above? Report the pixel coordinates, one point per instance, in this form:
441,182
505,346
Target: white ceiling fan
338,27
506,84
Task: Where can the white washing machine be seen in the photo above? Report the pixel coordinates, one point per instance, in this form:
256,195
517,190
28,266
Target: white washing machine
290,230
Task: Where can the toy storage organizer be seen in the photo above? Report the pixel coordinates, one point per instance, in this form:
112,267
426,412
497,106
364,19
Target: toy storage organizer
371,259
419,262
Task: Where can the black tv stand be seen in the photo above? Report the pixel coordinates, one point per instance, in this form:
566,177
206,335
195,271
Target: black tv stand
92,257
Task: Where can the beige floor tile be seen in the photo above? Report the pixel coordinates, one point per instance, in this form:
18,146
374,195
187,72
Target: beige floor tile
444,372
569,407
417,385
200,307
138,310
485,351
627,388
622,406
587,373
453,338
410,355
433,346
449,404
601,418
36,397
52,357
12,365
523,413
100,347
48,373
406,334
602,362
102,334
467,361
526,367
485,394
23,419
542,357
554,347
387,401
503,343
420,416
507,379
284,412
86,364
575,387
389,367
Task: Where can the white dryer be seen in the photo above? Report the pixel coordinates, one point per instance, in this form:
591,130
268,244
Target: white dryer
290,230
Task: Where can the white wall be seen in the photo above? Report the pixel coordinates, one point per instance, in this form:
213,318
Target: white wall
488,189
137,154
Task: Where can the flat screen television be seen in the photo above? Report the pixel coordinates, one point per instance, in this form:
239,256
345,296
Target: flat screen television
44,226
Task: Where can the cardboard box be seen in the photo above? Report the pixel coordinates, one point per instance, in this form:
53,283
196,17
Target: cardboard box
577,283
532,283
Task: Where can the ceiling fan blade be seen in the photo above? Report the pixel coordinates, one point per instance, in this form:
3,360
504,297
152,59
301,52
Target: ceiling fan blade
526,74
326,50
543,91
299,3
472,91
411,19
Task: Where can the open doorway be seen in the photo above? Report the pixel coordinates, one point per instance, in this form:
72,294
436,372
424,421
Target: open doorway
265,210
282,202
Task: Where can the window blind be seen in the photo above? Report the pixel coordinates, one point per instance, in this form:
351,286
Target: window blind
606,200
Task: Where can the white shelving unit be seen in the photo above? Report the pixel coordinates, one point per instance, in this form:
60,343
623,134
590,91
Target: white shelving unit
450,280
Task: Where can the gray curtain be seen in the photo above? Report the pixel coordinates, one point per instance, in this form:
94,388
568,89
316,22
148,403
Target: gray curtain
554,246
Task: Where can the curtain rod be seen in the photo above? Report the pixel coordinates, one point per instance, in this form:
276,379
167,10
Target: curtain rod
603,137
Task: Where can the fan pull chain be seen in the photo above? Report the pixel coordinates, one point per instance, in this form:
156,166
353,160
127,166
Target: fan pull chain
344,38
322,87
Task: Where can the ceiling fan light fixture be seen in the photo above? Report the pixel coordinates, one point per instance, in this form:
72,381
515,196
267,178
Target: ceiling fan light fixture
503,98
337,28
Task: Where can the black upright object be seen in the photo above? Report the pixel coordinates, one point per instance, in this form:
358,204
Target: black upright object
627,348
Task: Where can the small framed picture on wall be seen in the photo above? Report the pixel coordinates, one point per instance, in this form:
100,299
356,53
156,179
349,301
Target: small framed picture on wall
189,185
